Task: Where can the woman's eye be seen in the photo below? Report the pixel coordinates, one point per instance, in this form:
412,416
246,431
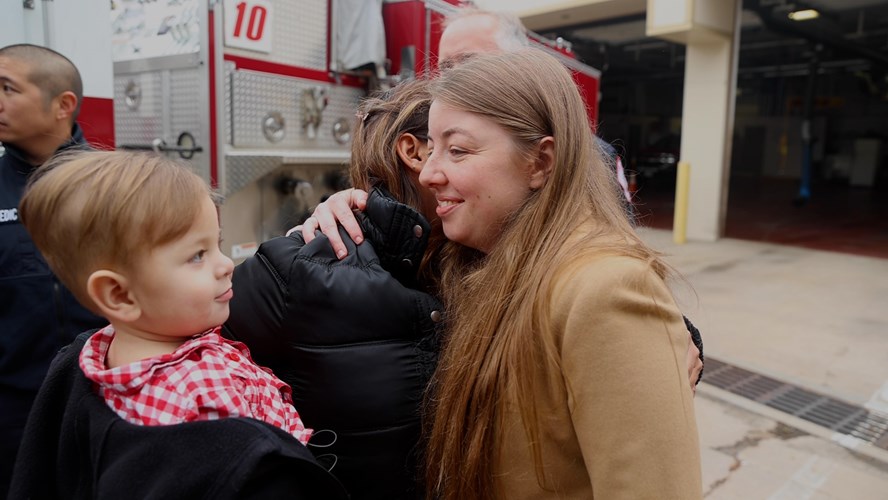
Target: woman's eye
457,152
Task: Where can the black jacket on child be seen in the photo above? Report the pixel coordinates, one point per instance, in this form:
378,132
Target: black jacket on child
356,339
76,447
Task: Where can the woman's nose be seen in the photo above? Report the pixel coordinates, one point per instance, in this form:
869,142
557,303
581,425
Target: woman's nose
430,175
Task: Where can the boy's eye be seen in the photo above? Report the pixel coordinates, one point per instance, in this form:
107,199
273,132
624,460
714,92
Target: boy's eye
199,256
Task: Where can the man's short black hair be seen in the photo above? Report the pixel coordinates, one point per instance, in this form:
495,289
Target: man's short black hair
50,71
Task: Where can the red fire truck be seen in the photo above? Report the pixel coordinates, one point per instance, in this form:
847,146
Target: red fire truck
258,95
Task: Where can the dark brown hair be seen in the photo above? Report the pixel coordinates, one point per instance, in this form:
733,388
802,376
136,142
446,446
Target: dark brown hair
375,163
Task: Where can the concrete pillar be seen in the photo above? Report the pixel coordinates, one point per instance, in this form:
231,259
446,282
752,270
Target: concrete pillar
706,135
710,31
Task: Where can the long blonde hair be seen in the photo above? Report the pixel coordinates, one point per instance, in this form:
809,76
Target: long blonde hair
499,319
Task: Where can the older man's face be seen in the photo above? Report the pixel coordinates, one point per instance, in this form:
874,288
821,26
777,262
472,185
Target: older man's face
465,38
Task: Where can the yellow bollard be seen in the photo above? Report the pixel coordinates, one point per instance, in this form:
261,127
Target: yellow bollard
680,218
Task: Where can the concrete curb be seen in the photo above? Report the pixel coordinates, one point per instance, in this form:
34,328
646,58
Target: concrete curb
846,441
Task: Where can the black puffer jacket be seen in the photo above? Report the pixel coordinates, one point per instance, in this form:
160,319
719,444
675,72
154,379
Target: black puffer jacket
356,339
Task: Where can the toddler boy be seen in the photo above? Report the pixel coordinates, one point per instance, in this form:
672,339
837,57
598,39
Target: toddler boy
136,239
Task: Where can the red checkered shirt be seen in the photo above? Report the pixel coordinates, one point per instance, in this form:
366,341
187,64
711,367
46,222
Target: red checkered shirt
206,378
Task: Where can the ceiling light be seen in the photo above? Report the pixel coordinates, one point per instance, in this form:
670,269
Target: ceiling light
804,15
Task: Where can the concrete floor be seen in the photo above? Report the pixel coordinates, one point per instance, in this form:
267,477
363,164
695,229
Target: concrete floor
811,318
749,453
837,217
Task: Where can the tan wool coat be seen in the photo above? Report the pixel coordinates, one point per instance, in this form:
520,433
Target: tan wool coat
617,420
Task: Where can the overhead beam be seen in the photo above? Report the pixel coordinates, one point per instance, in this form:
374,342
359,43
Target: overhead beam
568,13
820,31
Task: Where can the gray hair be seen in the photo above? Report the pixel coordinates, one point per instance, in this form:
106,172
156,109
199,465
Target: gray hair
511,36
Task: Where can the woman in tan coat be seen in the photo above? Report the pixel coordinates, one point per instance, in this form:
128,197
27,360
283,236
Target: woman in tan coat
563,374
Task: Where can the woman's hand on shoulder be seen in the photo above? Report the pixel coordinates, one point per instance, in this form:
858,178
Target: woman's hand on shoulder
337,209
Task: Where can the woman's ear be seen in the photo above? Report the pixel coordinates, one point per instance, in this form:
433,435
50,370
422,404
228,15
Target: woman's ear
409,148
545,162
110,292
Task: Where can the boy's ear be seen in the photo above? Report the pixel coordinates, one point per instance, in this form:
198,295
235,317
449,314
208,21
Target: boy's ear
544,163
409,147
111,294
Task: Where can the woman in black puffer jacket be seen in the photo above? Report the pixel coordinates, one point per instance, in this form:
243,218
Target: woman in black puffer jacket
357,338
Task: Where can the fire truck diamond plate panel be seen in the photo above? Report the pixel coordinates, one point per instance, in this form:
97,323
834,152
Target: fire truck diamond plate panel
243,170
229,69
159,116
140,125
185,99
300,35
255,96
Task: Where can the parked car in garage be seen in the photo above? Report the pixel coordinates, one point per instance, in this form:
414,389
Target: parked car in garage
659,159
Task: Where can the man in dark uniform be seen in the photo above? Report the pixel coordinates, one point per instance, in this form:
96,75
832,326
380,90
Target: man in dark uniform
40,95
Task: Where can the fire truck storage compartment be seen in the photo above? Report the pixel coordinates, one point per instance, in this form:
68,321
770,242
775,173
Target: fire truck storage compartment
160,99
288,144
274,202
308,110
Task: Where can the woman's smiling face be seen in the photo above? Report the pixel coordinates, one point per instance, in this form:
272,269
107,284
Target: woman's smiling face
478,175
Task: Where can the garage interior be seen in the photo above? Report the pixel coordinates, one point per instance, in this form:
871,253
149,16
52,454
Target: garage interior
826,75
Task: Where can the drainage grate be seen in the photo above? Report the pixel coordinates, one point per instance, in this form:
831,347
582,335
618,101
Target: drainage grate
824,411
